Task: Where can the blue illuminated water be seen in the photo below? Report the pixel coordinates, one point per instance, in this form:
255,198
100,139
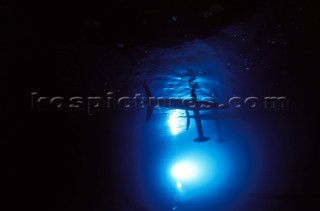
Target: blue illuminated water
171,171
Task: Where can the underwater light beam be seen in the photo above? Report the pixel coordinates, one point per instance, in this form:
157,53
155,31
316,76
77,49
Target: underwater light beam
185,171
176,122
179,185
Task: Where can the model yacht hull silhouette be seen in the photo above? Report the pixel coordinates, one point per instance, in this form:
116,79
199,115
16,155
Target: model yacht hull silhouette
185,104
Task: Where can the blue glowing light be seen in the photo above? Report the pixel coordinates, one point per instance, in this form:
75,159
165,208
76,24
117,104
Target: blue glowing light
179,185
176,123
194,169
185,171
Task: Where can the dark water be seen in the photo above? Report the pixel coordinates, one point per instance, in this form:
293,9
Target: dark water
115,159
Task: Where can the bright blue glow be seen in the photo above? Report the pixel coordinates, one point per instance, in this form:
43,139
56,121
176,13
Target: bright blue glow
185,171
176,123
193,169
222,168
179,185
